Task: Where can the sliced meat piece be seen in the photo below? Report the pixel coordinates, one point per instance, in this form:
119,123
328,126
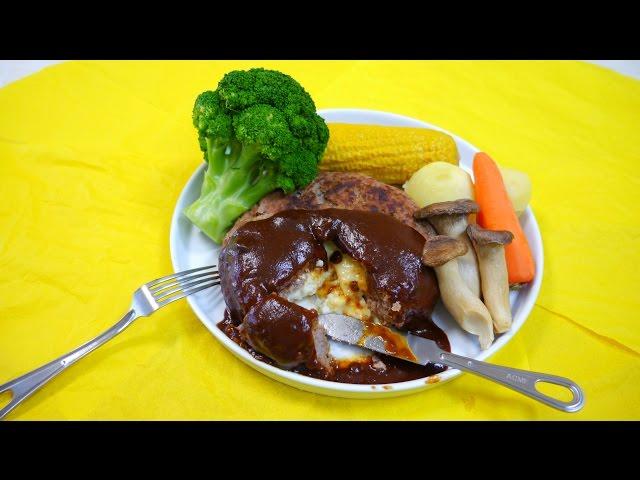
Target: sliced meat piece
287,333
352,191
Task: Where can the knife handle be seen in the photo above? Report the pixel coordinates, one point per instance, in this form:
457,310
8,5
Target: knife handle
522,381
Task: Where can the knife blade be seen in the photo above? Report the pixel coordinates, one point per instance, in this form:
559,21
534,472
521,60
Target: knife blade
422,351
381,339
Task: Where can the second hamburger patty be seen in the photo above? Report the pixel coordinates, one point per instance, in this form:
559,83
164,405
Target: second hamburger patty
351,191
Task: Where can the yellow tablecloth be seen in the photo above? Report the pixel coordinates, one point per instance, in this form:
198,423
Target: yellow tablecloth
93,156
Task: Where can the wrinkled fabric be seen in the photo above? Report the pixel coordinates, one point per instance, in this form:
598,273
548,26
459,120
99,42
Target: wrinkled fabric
93,156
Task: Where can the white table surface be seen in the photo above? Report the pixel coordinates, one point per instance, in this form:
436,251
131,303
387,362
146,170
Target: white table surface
12,70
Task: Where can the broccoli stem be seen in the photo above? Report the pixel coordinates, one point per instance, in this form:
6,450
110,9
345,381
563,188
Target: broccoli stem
233,183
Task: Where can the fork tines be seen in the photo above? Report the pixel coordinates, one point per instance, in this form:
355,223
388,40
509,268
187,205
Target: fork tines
177,286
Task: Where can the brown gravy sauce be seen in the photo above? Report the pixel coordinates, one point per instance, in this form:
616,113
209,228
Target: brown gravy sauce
393,344
282,328
359,371
264,256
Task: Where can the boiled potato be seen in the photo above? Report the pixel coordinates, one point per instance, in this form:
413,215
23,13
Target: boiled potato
442,182
439,182
518,187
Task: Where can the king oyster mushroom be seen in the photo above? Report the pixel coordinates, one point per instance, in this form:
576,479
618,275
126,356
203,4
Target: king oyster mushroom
489,247
442,253
451,219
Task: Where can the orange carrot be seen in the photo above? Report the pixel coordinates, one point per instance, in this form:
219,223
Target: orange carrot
497,213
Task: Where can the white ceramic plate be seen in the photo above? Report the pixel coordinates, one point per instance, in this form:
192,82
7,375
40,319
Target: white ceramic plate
190,249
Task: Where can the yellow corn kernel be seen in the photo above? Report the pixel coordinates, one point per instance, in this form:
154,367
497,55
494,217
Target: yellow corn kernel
388,154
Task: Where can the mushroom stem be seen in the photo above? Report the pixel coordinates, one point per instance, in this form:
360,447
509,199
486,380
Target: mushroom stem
465,307
468,264
495,285
451,219
489,247
442,253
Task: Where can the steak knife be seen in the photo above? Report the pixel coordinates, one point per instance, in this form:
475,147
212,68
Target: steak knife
413,348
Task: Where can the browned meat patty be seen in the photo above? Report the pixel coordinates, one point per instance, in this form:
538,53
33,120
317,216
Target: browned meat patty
287,333
259,259
352,191
264,256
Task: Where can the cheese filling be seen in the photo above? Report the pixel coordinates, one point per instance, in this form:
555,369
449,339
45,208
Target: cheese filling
341,288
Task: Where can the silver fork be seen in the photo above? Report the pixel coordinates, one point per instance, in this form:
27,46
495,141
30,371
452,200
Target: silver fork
146,300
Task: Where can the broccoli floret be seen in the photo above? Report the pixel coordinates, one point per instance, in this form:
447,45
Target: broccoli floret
259,132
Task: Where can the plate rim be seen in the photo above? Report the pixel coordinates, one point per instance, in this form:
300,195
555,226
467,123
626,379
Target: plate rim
337,388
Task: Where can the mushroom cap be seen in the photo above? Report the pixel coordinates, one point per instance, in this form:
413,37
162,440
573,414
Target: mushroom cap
463,206
482,236
440,249
428,229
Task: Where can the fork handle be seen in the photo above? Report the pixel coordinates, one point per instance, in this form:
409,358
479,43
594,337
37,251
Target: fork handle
522,381
23,386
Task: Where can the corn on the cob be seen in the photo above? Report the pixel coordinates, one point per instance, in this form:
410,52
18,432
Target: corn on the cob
388,154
